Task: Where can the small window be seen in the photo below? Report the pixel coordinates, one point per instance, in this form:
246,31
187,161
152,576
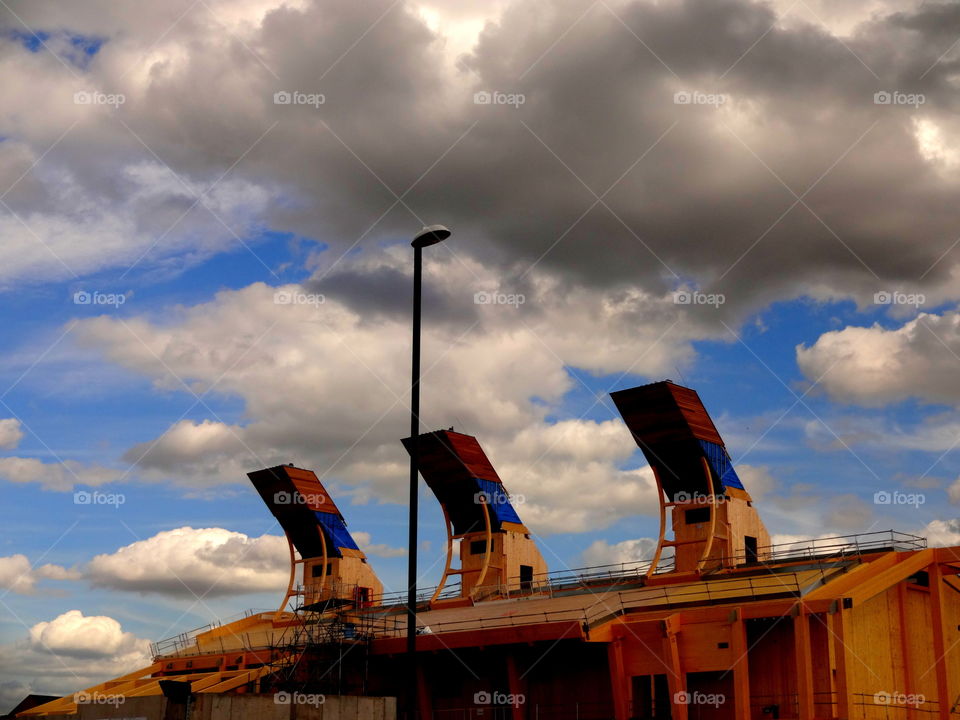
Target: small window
526,577
317,570
479,547
697,515
750,548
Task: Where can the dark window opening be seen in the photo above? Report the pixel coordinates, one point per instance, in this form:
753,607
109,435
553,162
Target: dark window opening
922,579
651,697
697,516
526,577
317,570
479,547
750,548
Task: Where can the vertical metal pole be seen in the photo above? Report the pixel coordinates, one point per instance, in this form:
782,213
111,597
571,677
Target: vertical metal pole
414,490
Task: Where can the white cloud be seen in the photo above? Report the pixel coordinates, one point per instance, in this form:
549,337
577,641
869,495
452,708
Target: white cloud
189,562
872,366
600,552
71,652
757,480
322,387
77,636
59,476
376,549
942,533
10,433
18,576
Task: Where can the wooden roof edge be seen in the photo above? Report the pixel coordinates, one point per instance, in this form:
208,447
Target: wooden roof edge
871,578
67,701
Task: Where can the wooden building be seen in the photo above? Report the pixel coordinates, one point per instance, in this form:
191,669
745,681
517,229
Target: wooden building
720,624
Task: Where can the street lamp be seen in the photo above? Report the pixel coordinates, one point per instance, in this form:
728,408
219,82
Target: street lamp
430,235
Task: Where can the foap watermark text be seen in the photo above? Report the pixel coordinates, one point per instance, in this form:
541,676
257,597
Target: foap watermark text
695,97
495,97
299,698
85,297
95,97
499,298
895,497
295,97
95,497
698,698
896,97
289,297
694,297
895,297
297,498
498,698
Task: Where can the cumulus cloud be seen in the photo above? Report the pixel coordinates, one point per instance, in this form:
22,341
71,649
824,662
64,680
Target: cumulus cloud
60,476
10,433
195,562
17,575
322,387
942,533
873,366
383,550
600,552
71,652
77,636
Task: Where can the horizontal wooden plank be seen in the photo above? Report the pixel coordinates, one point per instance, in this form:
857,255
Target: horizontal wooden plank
569,630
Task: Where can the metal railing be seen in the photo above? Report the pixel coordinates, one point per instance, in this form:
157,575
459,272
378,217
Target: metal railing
839,546
543,584
384,612
188,639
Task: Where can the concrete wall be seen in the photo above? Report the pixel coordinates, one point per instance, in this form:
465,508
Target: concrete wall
264,707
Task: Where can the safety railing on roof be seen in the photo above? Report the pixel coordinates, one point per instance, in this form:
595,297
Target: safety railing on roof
188,639
827,547
388,606
543,584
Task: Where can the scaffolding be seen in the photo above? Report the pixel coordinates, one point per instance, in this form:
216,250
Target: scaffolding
329,642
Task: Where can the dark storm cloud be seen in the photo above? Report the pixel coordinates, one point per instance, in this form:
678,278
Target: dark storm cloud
599,176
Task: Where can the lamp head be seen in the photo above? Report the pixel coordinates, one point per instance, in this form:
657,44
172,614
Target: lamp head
430,235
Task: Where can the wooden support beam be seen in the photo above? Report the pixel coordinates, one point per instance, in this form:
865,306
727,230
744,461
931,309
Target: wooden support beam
938,620
843,656
721,613
676,678
948,555
424,698
153,687
619,682
910,564
741,671
243,678
908,681
853,577
212,679
518,688
66,705
804,662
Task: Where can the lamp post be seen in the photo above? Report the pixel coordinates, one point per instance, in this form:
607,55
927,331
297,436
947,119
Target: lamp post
430,235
